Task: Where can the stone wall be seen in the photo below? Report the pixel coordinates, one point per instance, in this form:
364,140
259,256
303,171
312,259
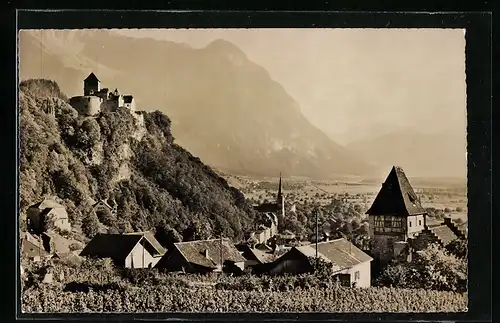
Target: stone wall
86,105
382,247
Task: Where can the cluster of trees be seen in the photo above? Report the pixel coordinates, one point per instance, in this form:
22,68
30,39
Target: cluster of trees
81,160
340,215
433,268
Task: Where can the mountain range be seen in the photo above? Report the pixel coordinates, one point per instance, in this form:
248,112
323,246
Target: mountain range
224,108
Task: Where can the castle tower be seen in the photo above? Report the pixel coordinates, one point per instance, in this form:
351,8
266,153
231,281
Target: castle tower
395,215
91,85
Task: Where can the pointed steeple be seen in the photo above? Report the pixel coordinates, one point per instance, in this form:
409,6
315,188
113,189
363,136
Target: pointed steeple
279,189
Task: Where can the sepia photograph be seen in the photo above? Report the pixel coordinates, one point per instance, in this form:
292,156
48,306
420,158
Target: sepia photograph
258,170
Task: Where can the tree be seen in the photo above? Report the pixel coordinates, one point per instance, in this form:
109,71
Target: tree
458,247
432,268
106,217
459,209
166,235
88,134
90,225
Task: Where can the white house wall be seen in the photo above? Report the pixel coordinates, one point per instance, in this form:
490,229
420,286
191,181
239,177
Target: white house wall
135,258
364,274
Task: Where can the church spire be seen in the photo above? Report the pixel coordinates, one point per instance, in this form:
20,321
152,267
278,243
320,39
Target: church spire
279,189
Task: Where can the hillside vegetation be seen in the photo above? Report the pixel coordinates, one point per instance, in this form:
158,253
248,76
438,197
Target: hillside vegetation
127,157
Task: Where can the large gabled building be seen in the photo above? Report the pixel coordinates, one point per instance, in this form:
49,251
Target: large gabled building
126,250
395,216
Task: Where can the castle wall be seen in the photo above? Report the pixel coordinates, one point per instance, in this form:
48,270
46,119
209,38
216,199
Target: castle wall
130,106
86,105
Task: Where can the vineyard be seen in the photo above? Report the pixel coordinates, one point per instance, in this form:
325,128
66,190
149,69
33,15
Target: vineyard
203,299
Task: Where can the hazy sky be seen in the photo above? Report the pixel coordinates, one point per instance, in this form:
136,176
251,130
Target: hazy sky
353,82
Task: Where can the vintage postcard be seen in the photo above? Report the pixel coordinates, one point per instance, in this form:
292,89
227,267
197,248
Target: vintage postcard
243,170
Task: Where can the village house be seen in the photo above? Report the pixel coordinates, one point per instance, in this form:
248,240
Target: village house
254,256
350,264
441,234
96,99
202,256
55,243
32,248
46,212
126,250
395,216
103,205
151,238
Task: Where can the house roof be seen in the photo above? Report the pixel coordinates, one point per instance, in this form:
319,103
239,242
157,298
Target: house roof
114,246
47,203
26,236
32,249
92,77
340,252
194,252
60,244
152,240
396,197
444,233
250,253
267,207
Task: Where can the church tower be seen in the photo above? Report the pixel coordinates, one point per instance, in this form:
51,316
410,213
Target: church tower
395,216
280,201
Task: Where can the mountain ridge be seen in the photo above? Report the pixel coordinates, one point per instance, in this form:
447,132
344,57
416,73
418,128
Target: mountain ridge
247,120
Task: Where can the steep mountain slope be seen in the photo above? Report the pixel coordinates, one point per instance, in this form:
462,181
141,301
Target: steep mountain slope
126,157
421,155
224,108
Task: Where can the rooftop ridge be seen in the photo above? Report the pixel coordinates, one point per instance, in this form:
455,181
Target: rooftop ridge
207,240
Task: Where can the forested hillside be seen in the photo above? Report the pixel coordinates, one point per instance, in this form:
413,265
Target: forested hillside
127,157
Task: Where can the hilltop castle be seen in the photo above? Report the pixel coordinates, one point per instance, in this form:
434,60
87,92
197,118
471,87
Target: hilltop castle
96,99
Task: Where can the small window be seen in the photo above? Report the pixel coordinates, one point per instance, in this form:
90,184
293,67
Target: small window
419,222
356,275
410,224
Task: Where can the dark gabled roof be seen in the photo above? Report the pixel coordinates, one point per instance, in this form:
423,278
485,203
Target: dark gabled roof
444,233
92,77
340,252
114,246
250,253
194,252
151,238
396,197
267,207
